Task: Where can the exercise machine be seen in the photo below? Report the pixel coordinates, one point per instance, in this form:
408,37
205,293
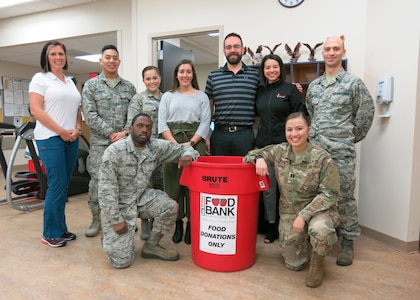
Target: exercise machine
29,186
33,186
6,129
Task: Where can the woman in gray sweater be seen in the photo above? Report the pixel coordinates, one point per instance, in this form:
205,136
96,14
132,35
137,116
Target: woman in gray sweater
184,118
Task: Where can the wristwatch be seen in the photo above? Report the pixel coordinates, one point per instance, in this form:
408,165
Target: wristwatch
257,157
192,143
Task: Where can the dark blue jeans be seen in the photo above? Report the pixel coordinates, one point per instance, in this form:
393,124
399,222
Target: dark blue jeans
59,159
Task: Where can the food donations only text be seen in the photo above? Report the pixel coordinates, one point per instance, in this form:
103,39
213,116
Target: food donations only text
218,219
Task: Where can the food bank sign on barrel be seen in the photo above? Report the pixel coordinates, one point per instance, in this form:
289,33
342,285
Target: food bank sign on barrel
218,219
224,195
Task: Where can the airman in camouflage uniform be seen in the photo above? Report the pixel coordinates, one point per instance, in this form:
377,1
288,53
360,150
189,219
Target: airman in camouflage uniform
105,100
148,102
341,111
309,186
125,193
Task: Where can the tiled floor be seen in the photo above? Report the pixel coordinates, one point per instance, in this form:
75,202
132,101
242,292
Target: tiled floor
31,270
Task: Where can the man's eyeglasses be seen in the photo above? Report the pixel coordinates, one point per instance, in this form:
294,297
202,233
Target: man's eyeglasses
236,47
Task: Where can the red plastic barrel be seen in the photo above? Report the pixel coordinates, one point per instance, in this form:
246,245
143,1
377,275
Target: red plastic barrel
224,195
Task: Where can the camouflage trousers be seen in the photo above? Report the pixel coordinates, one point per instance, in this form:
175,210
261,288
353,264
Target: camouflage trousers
120,247
347,204
343,153
319,235
156,179
93,163
156,182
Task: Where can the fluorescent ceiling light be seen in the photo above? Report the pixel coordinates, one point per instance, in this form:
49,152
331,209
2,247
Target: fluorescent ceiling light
90,57
6,3
213,34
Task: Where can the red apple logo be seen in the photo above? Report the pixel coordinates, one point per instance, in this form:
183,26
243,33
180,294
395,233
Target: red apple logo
215,201
223,202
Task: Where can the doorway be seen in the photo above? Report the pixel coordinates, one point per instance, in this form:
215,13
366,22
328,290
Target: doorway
203,44
169,56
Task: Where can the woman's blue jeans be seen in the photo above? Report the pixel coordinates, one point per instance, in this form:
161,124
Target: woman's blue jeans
59,159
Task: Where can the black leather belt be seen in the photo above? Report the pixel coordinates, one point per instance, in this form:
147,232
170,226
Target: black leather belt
233,128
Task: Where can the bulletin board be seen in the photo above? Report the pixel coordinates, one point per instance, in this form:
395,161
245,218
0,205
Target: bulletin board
14,104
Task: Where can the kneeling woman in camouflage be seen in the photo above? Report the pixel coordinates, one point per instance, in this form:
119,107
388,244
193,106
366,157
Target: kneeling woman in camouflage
309,184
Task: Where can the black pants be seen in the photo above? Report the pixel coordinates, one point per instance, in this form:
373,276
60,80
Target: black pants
225,143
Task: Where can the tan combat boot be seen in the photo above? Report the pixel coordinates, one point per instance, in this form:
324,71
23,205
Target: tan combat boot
316,271
95,227
152,249
345,257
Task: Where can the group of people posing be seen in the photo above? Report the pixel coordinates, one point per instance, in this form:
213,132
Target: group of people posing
139,143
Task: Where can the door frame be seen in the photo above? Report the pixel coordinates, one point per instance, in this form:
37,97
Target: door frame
154,37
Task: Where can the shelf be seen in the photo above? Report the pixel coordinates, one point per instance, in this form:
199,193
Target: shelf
306,72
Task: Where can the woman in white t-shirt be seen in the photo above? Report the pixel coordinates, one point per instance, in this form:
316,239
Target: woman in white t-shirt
55,104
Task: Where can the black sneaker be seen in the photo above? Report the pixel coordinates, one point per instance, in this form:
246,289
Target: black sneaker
55,243
68,236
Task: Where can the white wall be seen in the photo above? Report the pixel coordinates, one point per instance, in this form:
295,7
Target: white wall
389,181
389,190
17,71
202,72
263,22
